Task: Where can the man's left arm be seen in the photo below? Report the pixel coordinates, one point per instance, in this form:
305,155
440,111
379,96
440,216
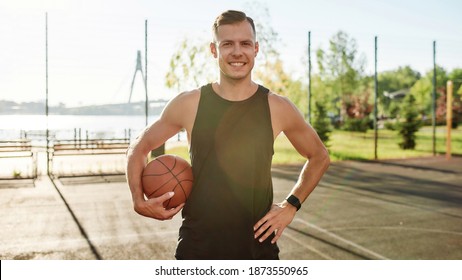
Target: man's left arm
306,141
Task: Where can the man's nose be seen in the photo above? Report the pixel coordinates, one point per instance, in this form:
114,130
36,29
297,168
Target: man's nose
237,50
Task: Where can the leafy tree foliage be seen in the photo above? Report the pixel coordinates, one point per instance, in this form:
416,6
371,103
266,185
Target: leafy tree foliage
423,88
190,65
392,81
341,68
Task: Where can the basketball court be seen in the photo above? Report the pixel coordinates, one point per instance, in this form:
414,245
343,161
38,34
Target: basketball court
400,209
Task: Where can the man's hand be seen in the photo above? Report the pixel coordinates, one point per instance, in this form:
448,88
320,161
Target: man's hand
276,220
154,208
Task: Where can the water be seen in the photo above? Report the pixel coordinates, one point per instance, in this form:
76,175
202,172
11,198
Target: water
71,126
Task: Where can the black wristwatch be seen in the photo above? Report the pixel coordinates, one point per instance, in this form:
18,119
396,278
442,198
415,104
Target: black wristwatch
293,200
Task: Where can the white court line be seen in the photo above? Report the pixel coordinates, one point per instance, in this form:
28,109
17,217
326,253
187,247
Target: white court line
357,246
314,250
400,227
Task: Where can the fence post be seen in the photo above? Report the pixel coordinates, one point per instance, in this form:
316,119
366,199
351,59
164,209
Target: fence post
449,88
309,78
375,103
434,100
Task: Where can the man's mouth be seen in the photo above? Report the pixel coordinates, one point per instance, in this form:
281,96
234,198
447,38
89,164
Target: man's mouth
237,64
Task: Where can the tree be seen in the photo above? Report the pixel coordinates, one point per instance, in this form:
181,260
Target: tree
321,123
341,68
190,65
409,123
358,110
392,81
441,103
456,77
423,88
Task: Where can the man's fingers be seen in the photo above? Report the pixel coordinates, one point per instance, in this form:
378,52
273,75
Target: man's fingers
157,207
259,223
165,197
169,213
278,233
268,232
264,224
261,230
263,220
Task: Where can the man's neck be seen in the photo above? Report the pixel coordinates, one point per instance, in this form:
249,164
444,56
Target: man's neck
235,90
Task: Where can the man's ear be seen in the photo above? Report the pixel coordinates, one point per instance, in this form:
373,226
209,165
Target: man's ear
257,48
213,49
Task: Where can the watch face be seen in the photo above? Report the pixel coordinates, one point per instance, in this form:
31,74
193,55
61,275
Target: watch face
294,201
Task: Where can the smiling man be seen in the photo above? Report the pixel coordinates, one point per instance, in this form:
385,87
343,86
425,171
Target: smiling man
231,126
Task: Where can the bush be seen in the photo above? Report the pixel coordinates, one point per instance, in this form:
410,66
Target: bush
360,125
390,125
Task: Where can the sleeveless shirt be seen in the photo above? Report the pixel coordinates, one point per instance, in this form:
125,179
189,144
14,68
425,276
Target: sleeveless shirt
231,152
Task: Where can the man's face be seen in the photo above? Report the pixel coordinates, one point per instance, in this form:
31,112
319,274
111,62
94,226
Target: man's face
236,49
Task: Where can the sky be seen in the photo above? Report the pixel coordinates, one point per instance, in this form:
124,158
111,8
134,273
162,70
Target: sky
92,45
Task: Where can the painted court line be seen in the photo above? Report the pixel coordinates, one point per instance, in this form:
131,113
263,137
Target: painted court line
310,248
333,235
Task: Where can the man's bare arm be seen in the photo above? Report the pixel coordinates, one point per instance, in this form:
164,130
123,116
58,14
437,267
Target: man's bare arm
287,118
175,116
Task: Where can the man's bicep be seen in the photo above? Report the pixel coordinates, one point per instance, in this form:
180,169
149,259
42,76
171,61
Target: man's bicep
302,136
304,139
158,132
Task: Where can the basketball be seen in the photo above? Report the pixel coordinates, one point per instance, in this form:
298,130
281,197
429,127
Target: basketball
168,173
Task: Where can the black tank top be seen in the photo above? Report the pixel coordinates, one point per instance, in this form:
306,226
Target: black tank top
231,153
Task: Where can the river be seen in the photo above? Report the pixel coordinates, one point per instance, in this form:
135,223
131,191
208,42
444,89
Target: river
70,126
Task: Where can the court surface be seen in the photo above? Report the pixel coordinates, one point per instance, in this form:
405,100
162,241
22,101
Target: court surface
396,209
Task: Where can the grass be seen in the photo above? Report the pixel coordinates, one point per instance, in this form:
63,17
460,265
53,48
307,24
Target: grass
181,151
360,146
346,145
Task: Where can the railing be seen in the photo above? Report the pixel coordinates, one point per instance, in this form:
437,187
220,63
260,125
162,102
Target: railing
16,149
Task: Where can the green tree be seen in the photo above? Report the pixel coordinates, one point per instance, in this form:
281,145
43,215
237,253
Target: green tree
456,76
409,123
341,69
423,88
190,65
392,81
321,123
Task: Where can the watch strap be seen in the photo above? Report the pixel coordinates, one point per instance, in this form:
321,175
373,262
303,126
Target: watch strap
294,201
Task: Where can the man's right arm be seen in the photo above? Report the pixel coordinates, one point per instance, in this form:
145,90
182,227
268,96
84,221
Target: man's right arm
136,161
153,136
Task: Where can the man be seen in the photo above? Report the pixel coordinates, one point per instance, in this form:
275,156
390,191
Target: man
231,126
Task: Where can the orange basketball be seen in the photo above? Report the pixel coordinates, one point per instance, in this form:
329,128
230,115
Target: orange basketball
168,173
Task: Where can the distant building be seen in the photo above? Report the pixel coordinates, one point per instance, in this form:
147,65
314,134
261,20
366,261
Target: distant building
396,95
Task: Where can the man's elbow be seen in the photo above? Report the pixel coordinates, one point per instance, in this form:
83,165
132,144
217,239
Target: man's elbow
324,158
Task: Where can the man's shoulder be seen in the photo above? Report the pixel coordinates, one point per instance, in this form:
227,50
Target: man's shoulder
189,94
182,108
275,99
186,97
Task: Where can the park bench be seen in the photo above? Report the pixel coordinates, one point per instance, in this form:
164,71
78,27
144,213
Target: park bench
85,152
15,149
